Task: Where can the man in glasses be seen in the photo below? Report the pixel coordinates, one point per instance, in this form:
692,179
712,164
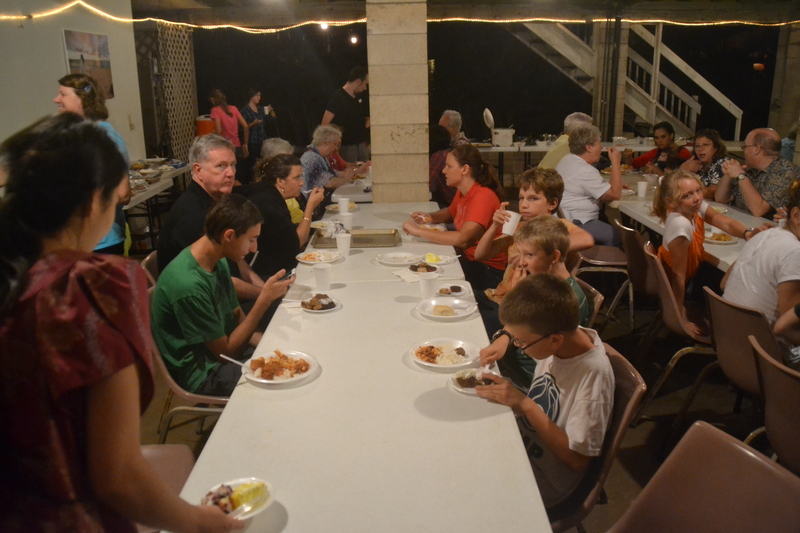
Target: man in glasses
763,187
565,413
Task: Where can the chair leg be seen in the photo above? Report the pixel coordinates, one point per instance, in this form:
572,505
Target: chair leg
580,528
665,374
630,301
165,409
692,393
647,339
753,434
614,303
202,411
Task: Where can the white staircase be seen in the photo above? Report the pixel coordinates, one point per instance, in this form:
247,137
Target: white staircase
649,94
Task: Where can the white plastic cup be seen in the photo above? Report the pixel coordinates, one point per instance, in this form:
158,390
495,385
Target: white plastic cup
344,205
642,189
343,243
347,220
619,142
427,284
322,275
511,226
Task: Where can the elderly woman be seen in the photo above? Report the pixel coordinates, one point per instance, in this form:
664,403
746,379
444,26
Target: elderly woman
80,94
317,171
585,190
709,155
664,156
75,346
277,180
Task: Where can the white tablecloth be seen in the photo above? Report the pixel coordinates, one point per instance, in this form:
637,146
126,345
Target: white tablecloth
374,442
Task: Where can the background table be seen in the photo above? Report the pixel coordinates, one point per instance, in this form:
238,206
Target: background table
374,442
354,191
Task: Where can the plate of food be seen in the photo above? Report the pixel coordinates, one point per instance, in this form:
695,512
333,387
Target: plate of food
419,268
446,308
433,227
321,224
317,256
439,259
445,353
454,289
465,381
250,493
334,208
320,303
720,209
279,368
397,259
713,237
623,167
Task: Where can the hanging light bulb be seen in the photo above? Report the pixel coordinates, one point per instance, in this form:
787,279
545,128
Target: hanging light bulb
324,26
353,39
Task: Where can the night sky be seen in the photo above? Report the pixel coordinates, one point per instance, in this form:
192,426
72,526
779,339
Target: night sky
476,66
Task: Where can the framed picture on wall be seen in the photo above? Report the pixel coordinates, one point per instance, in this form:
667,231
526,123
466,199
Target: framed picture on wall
87,53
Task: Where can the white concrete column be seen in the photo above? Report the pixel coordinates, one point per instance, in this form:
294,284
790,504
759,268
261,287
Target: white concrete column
397,54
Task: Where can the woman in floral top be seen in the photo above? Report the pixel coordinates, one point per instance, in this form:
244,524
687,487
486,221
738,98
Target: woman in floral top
75,346
709,154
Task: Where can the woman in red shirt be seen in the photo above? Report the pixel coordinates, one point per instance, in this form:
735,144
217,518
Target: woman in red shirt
665,156
478,197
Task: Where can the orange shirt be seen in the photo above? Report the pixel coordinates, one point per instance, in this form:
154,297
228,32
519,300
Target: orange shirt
479,206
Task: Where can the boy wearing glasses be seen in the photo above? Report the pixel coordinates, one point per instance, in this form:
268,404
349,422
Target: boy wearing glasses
542,244
564,416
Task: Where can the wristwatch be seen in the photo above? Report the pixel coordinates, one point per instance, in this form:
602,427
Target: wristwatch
741,176
499,333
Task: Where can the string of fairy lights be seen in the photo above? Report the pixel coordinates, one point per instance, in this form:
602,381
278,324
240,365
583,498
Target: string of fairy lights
324,24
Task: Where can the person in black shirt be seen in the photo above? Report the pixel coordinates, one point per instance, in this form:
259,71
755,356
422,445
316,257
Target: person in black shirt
280,240
346,110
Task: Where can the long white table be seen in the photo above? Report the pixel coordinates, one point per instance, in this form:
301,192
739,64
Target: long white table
355,191
721,256
374,442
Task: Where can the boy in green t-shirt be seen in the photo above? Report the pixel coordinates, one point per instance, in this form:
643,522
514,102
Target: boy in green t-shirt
195,315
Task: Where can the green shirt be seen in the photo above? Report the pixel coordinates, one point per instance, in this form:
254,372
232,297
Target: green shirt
192,306
583,302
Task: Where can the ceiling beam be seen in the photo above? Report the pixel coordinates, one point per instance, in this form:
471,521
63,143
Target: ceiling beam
289,13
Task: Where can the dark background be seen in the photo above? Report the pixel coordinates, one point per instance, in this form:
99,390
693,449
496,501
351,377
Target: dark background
475,66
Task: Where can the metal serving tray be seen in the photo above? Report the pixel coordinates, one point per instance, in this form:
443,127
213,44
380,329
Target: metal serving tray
360,238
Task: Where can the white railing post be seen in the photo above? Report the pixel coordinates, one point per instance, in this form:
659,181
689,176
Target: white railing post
655,85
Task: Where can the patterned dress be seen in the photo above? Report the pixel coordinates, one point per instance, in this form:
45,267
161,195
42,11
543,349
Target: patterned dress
81,319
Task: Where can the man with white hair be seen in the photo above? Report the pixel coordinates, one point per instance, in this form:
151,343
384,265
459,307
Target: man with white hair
451,121
560,148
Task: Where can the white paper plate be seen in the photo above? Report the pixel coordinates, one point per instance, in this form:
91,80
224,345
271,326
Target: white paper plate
719,209
312,366
473,352
467,390
425,308
444,260
334,208
488,119
337,305
627,192
733,240
320,224
397,259
465,290
429,268
234,483
323,256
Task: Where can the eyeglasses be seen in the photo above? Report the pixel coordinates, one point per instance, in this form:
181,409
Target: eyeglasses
748,146
523,348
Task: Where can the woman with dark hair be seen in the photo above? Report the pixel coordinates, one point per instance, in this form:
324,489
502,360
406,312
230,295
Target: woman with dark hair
656,160
277,180
256,117
227,120
478,197
75,346
709,155
438,148
80,94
